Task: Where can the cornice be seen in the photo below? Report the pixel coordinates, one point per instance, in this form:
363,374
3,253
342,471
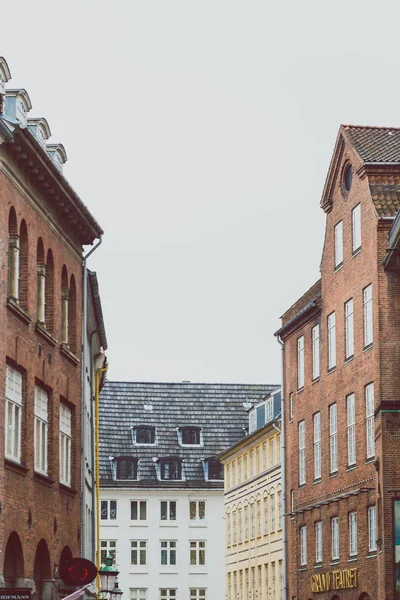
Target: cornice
327,194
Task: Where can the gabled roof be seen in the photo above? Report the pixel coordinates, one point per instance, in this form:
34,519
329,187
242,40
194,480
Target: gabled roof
379,151
216,408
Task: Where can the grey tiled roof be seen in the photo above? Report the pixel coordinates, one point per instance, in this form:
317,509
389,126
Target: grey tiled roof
216,408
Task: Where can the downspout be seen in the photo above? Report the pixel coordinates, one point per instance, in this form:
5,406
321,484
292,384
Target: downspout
84,396
92,448
283,475
97,376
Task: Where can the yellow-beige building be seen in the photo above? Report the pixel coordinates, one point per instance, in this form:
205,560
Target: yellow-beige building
253,507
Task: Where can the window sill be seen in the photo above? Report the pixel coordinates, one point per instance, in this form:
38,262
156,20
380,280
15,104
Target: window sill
334,562
366,348
67,490
355,252
335,474
315,380
348,359
351,467
43,479
353,558
109,523
168,524
13,305
70,355
17,467
303,568
338,267
372,554
300,389
302,486
370,460
316,481
139,524
331,370
197,524
139,569
41,329
318,565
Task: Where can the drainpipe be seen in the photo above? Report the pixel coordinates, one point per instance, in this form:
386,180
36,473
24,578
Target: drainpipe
283,475
92,447
97,379
84,396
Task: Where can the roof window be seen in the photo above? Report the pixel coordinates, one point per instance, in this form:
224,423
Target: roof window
348,177
213,469
169,469
143,434
58,154
190,436
5,75
40,129
18,104
125,468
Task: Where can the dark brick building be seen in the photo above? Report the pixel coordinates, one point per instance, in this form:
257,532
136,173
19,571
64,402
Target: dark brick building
342,385
43,226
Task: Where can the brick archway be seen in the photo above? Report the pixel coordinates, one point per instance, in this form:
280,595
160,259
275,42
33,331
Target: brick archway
13,560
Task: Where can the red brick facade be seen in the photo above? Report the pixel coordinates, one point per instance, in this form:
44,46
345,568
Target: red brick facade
40,516
373,480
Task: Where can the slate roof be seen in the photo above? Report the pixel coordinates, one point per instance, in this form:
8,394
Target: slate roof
215,407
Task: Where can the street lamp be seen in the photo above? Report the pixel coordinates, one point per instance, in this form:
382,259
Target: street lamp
108,580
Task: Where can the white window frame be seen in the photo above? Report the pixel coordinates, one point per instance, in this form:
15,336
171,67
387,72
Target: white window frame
372,529
108,510
228,529
333,439
335,537
139,504
338,244
65,444
291,407
169,549
41,429
197,593
246,522
240,525
318,541
331,341
353,533
351,430
356,228
138,550
317,445
168,594
171,510
269,410
107,547
303,545
272,508
197,551
266,515
302,452
368,316
280,510
272,451
259,524
349,328
138,593
300,362
253,519
315,352
370,420
234,521
196,505
13,416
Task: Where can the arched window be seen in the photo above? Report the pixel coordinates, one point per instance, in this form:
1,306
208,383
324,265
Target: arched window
40,281
13,562
23,265
13,255
64,305
42,569
49,293
72,333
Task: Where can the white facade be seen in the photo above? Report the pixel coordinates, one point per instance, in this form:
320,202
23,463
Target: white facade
153,576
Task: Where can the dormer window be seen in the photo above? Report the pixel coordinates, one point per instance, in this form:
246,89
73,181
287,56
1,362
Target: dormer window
40,129
58,154
170,469
58,160
144,435
18,104
21,111
41,136
190,436
215,469
126,468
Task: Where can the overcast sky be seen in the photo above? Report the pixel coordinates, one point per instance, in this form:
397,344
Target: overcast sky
199,134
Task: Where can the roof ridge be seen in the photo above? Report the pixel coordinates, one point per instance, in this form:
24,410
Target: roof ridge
205,383
382,127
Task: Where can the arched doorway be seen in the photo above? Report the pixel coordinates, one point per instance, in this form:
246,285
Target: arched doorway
364,596
42,568
13,561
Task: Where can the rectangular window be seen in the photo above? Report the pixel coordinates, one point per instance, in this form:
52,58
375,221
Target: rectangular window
303,545
138,552
291,406
349,328
302,453
280,510
265,457
272,452
41,429
239,470
228,529
234,522
258,517
258,460
228,476
13,414
251,463
197,510
108,547
266,528
356,223
292,500
168,594
240,525
351,431
331,341
253,520
317,445
338,244
335,537
300,362
372,529
353,533
246,522
245,462
369,416
318,541
269,410
138,593
145,435
168,552
368,320
108,510
197,552
138,510
333,449
315,351
197,593
272,506
65,444
234,473
168,510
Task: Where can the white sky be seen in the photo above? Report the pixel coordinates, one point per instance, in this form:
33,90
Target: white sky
199,134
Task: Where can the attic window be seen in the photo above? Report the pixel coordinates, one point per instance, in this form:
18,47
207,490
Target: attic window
215,469
190,436
171,469
2,84
58,160
348,177
21,111
126,468
145,435
41,136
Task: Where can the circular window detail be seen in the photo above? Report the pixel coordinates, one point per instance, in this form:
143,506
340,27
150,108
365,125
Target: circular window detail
348,178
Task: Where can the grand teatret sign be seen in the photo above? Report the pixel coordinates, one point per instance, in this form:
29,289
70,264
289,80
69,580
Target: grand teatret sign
341,579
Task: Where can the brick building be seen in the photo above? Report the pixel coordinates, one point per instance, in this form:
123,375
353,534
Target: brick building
43,226
342,385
